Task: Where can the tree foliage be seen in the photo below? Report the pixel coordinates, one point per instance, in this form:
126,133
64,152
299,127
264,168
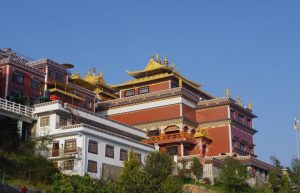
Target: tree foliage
10,138
233,176
295,174
132,177
197,167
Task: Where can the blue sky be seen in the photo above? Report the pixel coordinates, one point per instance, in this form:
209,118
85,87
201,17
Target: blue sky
253,47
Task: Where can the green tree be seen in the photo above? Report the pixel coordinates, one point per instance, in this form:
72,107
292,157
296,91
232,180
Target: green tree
132,177
295,174
275,161
233,176
83,184
62,184
158,166
197,167
285,186
274,180
172,184
10,138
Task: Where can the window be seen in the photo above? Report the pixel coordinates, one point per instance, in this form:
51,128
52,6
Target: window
58,77
138,156
186,151
123,154
240,118
70,145
45,121
109,151
234,143
144,90
16,93
69,165
92,166
129,93
18,77
174,85
93,147
63,121
242,147
232,114
248,122
34,84
173,150
152,133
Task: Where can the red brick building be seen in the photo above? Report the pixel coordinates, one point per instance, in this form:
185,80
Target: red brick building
181,119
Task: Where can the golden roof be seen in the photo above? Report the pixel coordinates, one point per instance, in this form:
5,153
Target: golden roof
155,69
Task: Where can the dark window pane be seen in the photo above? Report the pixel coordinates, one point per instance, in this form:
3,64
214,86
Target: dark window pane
173,150
93,147
144,90
129,93
92,166
109,151
123,155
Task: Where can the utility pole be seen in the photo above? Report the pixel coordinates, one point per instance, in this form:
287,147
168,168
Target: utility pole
297,128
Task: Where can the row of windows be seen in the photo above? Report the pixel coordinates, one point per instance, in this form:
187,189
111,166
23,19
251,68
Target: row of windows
131,92
240,118
18,78
109,151
241,146
56,75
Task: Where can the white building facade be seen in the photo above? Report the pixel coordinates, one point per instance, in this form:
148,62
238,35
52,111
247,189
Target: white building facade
84,142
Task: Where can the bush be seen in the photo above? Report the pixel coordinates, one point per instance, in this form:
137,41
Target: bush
206,181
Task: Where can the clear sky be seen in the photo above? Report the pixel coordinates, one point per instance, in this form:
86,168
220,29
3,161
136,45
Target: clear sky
251,46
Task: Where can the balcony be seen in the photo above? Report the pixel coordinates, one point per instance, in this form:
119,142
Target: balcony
243,152
171,138
63,154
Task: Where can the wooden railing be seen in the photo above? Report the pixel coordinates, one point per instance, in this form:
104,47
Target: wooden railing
170,136
16,108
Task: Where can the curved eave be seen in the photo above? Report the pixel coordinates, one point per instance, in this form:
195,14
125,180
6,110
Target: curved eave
143,73
83,83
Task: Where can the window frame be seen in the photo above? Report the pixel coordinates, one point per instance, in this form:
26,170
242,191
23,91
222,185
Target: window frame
68,165
108,151
170,147
45,121
127,91
93,146
15,76
92,166
144,92
123,154
70,145
32,86
240,118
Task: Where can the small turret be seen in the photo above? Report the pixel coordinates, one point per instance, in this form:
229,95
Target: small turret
227,92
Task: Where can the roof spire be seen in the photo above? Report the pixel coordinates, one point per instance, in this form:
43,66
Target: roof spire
88,72
250,105
166,62
94,71
158,58
228,92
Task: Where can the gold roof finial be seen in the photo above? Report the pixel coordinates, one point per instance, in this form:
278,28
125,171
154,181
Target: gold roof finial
180,82
94,71
172,66
100,74
250,105
239,100
77,73
158,58
227,92
166,62
88,72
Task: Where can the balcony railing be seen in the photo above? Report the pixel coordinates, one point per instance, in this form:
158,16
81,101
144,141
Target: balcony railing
15,108
62,153
181,136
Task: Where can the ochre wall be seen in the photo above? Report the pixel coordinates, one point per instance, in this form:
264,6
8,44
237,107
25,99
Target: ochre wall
155,114
212,114
220,143
188,112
